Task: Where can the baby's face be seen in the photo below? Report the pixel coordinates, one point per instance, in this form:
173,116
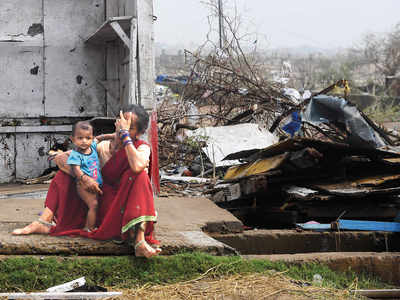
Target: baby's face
82,139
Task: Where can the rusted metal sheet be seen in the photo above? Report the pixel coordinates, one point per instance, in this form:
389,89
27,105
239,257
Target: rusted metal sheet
258,167
72,69
7,154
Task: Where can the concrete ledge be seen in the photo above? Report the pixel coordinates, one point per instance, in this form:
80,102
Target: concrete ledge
172,243
291,241
383,265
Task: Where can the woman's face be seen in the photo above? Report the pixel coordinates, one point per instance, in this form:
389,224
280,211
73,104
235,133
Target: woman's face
133,133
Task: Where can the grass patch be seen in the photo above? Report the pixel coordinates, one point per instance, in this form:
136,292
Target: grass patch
34,274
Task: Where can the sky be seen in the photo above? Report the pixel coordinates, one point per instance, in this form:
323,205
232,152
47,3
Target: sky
322,24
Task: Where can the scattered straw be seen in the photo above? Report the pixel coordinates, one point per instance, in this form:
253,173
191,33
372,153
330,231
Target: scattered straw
236,287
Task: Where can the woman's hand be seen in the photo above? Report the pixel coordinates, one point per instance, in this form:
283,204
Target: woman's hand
122,123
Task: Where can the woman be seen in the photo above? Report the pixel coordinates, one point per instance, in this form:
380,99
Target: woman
126,204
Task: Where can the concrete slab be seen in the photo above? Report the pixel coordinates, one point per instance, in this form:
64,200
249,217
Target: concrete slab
180,226
384,265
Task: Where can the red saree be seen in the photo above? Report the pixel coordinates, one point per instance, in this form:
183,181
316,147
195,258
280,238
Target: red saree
126,201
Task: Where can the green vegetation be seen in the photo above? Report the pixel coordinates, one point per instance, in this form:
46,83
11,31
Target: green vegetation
387,109
33,274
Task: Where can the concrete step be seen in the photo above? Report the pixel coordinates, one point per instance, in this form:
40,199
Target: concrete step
180,227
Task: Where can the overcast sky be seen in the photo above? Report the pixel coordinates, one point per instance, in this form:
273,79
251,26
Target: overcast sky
280,23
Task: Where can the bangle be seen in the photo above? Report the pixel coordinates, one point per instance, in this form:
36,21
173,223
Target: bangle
122,131
128,143
124,135
126,138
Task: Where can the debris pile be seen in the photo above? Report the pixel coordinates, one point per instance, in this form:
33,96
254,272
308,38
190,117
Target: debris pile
221,90
283,159
304,179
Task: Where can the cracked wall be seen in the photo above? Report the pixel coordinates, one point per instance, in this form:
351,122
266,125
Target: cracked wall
42,53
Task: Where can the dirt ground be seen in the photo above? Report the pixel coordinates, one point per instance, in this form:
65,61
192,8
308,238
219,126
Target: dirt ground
251,287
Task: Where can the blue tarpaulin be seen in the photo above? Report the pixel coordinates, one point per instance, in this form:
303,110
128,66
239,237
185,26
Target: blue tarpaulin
294,125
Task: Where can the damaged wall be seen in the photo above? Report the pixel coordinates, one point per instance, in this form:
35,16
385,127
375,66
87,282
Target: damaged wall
49,78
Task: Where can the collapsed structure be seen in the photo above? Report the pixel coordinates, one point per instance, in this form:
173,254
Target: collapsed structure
332,161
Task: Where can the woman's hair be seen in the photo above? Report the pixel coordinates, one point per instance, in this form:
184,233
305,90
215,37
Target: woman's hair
142,121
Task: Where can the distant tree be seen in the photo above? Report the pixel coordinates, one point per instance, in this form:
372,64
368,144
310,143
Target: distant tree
383,51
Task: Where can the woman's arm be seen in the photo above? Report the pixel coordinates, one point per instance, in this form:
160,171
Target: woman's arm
88,182
104,137
139,158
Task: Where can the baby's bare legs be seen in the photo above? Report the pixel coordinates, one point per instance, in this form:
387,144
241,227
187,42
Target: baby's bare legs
91,201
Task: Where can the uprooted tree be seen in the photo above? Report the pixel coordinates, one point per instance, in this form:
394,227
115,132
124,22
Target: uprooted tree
225,87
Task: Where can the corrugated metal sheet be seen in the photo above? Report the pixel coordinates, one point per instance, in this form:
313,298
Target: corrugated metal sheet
300,143
258,167
223,140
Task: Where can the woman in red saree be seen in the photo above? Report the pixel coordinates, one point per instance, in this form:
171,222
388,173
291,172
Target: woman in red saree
126,204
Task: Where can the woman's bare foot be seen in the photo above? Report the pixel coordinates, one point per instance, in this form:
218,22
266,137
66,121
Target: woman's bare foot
142,249
34,227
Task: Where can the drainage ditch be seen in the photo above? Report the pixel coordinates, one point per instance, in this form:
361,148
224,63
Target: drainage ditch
263,242
377,253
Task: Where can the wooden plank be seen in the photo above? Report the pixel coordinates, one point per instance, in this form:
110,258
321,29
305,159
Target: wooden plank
113,79
113,106
121,33
80,295
112,7
132,78
146,53
368,225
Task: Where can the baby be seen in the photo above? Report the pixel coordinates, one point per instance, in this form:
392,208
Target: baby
84,161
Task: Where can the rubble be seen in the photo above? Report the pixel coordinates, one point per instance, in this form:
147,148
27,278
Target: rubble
332,160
